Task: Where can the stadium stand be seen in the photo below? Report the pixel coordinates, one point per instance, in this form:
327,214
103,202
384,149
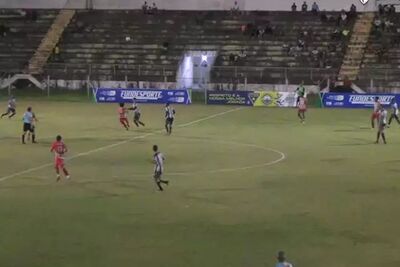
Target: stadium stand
107,45
21,32
380,66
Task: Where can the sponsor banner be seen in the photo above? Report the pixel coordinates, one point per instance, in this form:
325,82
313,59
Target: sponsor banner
152,96
337,100
230,98
275,99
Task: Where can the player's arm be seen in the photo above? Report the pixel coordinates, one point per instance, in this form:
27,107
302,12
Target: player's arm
52,148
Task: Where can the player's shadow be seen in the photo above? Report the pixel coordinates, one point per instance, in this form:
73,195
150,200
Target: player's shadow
355,129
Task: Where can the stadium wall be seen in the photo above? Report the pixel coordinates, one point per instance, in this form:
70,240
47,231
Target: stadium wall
186,4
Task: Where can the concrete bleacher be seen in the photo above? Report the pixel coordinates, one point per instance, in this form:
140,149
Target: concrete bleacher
95,44
381,63
23,37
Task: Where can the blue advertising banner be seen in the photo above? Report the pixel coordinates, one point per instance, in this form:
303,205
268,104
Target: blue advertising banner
347,100
245,98
151,96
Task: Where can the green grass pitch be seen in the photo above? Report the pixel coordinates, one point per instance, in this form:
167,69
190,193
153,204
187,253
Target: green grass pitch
245,183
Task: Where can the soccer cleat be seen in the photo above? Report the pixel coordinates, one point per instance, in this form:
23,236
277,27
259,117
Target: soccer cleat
58,178
67,177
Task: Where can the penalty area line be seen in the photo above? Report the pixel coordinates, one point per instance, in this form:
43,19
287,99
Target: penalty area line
118,144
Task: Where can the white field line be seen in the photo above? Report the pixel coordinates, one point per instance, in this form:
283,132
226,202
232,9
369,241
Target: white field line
116,144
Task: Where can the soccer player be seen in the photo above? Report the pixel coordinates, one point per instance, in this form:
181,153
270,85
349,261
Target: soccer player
28,120
301,91
302,105
11,108
375,113
136,114
33,126
122,116
382,120
158,159
59,149
169,117
282,260
395,112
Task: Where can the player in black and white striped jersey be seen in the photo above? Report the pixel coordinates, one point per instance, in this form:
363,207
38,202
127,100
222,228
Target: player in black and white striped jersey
136,114
169,117
395,112
159,159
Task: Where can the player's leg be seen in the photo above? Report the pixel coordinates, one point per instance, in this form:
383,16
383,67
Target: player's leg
391,118
57,172
304,115
299,115
171,122
167,125
32,132
378,136
5,114
13,112
65,171
383,134
25,130
157,180
397,118
373,120
136,122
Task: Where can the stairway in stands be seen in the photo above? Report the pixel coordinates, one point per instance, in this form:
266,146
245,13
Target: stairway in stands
45,49
357,45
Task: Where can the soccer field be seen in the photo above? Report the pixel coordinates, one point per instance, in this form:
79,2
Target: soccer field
244,183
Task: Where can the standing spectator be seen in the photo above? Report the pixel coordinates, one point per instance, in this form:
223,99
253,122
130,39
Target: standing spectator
304,7
56,53
294,7
315,8
343,18
235,9
381,10
282,260
324,17
353,11
154,9
145,7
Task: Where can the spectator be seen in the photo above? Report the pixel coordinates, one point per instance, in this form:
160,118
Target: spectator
260,32
315,8
381,10
377,24
243,29
269,29
343,18
145,7
282,259
294,7
56,53
304,7
235,9
3,30
242,55
353,11
392,9
154,9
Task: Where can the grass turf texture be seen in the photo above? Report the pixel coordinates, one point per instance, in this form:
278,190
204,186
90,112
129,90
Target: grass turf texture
333,200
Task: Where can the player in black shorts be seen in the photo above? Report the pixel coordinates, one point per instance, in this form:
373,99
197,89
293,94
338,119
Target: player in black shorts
28,119
136,114
11,108
169,118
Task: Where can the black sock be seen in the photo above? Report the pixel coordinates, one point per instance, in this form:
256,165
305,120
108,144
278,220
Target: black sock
33,138
4,114
12,115
135,122
377,136
159,186
141,123
164,181
23,138
384,138
166,128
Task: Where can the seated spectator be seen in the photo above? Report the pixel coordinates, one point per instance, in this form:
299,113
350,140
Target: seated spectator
145,7
242,55
282,260
388,25
3,30
300,44
304,7
315,8
269,29
243,29
294,7
377,24
56,53
386,9
80,26
345,33
315,53
260,32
